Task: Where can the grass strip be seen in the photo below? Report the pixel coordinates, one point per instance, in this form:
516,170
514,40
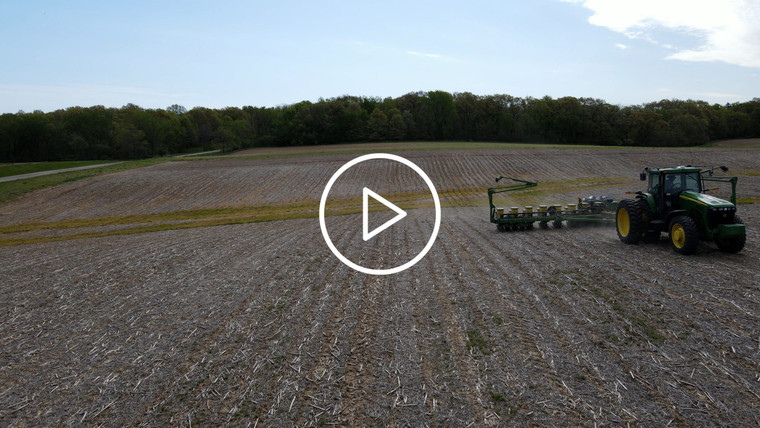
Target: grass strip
177,220
748,200
750,172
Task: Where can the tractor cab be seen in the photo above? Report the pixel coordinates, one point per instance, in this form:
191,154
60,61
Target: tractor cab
665,185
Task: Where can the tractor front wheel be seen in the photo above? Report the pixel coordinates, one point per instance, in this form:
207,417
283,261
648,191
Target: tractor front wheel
684,235
629,221
732,245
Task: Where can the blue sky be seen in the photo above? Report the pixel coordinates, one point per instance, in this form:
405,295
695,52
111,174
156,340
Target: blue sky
269,53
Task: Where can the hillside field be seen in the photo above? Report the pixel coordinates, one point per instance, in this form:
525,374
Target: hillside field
200,292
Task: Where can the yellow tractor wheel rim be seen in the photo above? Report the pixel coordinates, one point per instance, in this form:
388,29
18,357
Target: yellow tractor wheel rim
623,222
678,235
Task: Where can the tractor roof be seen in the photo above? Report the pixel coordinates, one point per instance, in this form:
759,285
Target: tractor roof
676,170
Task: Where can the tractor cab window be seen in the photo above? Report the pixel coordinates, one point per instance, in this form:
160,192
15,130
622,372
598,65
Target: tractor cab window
692,182
675,183
654,183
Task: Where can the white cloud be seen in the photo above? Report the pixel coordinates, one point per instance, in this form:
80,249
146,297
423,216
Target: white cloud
727,28
718,95
426,55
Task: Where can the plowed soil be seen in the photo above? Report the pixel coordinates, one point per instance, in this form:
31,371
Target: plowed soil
258,324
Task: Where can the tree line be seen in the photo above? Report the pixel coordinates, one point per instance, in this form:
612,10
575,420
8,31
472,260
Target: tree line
132,132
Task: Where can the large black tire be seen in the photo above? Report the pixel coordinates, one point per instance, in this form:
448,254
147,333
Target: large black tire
684,235
629,221
732,245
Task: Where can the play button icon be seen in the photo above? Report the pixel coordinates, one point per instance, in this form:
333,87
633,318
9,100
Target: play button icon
400,214
387,248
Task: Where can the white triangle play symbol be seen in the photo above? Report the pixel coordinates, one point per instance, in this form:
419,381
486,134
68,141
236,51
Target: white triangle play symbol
366,234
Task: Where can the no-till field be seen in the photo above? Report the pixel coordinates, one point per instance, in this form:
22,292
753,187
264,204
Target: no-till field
259,324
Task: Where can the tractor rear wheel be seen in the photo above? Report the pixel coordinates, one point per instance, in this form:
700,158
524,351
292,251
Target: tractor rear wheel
732,245
629,221
684,235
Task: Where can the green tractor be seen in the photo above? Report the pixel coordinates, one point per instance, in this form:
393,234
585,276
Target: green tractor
676,202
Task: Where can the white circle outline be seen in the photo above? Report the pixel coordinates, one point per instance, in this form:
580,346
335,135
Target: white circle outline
343,258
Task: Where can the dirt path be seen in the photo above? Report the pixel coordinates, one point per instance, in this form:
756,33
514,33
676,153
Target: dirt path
54,171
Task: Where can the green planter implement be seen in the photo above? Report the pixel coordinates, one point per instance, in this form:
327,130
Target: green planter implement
592,209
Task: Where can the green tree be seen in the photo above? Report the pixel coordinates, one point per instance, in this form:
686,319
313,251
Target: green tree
396,125
203,122
416,116
469,116
535,122
351,120
443,115
8,137
176,109
378,125
129,141
648,128
688,130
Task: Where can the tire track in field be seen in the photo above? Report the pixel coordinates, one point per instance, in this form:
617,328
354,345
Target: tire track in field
415,358
341,304
248,336
687,268
721,344
549,356
233,303
381,373
525,257
442,384
430,352
655,376
331,354
286,351
468,297
690,273
715,333
366,350
639,372
86,327
331,348
89,295
115,318
465,371
306,347
361,345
